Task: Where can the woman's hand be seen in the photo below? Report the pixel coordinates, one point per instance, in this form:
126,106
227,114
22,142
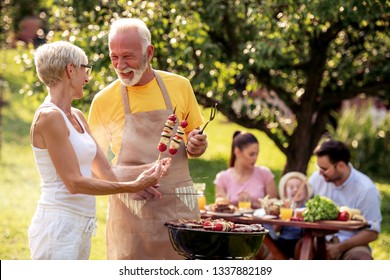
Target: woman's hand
147,181
166,164
151,176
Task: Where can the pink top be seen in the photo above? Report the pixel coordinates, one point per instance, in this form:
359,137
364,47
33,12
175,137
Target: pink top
255,186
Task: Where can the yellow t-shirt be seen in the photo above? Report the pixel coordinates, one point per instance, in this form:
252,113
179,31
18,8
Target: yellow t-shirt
106,115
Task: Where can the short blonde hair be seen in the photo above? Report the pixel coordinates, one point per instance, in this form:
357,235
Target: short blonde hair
126,24
51,60
294,174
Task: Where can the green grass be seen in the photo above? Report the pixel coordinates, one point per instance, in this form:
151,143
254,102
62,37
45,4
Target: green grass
20,182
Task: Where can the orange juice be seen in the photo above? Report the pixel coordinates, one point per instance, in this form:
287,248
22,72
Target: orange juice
201,201
286,213
244,205
244,201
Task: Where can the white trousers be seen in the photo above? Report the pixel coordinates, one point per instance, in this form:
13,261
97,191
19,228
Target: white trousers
57,234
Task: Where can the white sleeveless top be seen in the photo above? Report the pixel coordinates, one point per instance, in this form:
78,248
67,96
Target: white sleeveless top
54,193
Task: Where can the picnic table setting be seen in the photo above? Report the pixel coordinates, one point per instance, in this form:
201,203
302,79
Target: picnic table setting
320,217
318,208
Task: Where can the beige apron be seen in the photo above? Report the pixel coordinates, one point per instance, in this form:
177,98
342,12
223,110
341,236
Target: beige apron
135,228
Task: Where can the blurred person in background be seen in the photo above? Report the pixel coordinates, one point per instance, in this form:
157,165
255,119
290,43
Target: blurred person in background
243,175
294,188
338,180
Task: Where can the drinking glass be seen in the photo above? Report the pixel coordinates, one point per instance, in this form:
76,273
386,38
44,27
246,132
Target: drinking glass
244,201
286,213
200,188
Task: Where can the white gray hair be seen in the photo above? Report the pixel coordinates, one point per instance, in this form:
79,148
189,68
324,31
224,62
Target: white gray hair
51,60
126,24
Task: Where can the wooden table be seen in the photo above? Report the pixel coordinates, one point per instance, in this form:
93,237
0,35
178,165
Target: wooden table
314,233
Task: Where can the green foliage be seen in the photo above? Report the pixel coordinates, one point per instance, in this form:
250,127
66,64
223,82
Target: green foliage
12,12
366,132
19,179
311,54
320,208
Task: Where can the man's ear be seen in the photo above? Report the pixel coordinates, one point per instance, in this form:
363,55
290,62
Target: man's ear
150,52
341,165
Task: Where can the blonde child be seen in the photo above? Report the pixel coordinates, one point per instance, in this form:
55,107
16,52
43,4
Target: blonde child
293,187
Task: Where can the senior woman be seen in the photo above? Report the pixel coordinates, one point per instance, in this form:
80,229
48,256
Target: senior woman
67,157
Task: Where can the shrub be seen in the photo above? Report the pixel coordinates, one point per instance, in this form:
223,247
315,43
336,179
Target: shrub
367,135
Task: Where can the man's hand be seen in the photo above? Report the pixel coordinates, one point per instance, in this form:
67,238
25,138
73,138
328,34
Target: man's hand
333,251
197,143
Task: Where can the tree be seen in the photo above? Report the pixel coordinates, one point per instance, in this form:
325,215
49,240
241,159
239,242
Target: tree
280,66
312,55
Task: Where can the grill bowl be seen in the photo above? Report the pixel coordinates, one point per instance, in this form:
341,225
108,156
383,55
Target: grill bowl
203,244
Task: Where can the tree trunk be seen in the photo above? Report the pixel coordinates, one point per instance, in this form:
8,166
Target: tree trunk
305,139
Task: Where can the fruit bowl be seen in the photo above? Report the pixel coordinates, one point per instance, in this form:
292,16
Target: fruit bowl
193,243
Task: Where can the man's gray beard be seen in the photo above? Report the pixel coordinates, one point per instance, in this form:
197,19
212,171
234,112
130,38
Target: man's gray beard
136,76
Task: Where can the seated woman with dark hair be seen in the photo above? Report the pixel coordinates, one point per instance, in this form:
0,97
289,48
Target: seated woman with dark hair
243,175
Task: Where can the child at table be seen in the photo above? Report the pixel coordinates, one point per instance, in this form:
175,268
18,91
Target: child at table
293,187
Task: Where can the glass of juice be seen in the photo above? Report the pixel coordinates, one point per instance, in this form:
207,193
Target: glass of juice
244,201
201,201
286,213
200,188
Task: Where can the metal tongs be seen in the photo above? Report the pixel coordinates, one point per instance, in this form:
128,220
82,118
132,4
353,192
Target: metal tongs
213,112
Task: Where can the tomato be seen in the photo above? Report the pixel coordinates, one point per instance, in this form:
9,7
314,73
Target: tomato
343,216
172,117
218,227
207,224
183,123
161,147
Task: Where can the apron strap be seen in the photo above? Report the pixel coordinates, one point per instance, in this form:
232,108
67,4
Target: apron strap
167,100
125,99
163,90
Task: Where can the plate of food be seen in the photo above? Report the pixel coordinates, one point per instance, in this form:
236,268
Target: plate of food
222,208
272,205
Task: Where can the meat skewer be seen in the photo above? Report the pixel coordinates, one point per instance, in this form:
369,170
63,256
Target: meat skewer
178,137
167,132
